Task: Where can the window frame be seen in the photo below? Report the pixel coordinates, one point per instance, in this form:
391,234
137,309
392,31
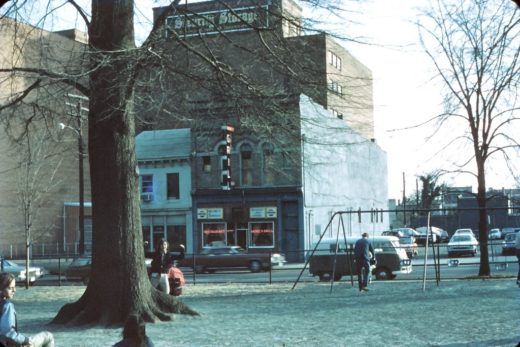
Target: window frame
177,188
148,188
246,172
251,234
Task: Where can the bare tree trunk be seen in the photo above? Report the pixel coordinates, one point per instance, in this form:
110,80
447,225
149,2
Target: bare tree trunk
484,269
119,282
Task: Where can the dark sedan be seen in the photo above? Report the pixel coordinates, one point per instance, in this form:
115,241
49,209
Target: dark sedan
214,258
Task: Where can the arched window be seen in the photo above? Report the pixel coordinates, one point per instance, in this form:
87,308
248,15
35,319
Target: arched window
268,163
246,164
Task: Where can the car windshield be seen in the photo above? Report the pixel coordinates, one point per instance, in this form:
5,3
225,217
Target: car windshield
460,238
80,262
10,263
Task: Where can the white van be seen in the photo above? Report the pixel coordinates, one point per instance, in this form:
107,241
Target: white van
334,259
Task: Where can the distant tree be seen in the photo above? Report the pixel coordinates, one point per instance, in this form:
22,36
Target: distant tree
475,48
430,190
36,175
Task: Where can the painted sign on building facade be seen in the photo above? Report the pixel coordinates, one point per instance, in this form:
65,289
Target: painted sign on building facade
216,22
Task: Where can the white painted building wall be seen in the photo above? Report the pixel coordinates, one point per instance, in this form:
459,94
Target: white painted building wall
342,171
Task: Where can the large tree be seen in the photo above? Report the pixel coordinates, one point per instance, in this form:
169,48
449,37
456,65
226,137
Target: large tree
117,237
475,48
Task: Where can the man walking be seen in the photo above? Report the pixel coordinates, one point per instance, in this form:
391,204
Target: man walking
363,251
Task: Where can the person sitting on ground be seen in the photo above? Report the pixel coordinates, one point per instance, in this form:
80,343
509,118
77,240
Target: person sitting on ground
9,335
134,333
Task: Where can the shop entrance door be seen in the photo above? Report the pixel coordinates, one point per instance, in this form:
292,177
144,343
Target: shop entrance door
241,238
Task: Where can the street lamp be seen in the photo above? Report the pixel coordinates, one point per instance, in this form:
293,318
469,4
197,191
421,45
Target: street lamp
81,155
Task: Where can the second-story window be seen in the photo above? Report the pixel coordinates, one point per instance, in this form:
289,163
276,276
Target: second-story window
268,162
335,87
246,162
334,60
172,181
146,183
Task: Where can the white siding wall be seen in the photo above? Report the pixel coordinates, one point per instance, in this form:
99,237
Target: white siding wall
342,171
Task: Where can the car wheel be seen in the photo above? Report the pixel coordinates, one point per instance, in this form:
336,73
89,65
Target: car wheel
383,273
337,277
255,266
324,276
199,269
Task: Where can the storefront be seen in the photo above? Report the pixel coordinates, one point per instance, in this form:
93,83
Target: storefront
172,227
257,230
261,219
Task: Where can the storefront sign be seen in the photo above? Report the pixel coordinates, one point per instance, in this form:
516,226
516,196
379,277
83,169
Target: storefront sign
215,22
263,212
210,213
202,213
271,212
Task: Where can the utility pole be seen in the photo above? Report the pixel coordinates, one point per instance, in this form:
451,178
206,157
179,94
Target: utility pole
81,155
404,201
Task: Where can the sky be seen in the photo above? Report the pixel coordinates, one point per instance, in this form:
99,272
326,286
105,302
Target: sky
405,93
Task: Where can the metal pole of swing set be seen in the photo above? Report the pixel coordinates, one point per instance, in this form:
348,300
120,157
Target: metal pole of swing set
428,231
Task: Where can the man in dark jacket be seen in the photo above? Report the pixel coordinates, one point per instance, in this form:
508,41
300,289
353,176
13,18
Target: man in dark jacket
363,251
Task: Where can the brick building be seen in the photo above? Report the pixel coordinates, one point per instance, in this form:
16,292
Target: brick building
29,134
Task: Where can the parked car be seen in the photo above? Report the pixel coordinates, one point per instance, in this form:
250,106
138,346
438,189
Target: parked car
508,245
444,236
409,245
508,230
407,232
464,231
395,232
434,235
19,271
79,268
462,243
328,264
494,234
216,258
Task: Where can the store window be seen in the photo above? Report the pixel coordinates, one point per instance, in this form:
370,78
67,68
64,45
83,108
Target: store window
158,234
213,234
176,235
246,158
262,234
173,185
148,247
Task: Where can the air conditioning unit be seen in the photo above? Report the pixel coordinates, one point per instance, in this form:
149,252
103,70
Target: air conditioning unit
146,197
